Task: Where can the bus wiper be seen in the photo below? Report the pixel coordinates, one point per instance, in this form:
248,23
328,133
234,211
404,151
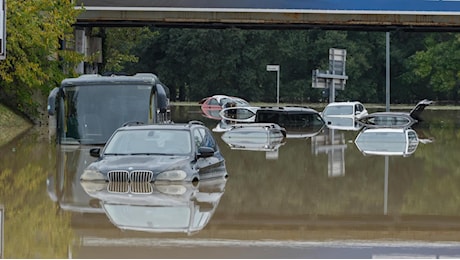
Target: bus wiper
115,154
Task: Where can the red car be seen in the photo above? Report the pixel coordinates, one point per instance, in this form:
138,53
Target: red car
210,106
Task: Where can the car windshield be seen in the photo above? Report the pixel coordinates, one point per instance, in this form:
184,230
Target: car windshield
149,141
338,110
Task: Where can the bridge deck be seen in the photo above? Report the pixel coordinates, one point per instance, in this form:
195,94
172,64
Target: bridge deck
334,14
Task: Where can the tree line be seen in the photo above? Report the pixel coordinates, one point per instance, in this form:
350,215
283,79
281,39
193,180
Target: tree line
195,63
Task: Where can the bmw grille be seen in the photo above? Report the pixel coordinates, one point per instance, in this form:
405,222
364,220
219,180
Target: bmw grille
130,176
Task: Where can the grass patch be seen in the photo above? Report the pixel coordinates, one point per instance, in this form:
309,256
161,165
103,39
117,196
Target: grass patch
11,125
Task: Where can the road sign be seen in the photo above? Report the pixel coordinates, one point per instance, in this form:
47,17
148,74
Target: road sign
277,69
273,67
337,59
335,77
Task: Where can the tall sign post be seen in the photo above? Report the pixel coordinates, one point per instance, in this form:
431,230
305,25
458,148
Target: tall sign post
335,77
277,69
2,29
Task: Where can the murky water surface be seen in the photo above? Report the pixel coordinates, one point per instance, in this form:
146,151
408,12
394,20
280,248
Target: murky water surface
316,197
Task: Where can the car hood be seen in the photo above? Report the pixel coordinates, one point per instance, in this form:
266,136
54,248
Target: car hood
144,162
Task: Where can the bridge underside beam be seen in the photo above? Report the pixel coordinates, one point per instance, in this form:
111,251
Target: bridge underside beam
270,20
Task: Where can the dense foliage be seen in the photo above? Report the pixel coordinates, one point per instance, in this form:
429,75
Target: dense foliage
35,58
196,63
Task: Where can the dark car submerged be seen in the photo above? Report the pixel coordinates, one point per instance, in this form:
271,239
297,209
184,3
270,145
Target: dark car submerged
163,152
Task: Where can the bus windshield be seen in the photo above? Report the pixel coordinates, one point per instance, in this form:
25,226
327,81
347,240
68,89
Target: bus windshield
93,112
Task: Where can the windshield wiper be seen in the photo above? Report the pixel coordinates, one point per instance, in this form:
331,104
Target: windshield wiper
150,154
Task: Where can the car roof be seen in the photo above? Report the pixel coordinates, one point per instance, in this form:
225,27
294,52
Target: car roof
390,113
287,109
172,126
344,103
219,97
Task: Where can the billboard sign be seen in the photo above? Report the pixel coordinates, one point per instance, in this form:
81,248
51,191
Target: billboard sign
349,6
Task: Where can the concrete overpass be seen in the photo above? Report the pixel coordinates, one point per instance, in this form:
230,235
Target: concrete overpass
370,15
426,15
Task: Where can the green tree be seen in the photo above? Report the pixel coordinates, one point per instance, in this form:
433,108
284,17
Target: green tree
195,63
439,65
119,44
35,60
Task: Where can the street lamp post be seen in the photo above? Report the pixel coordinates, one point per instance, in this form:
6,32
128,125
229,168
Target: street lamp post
277,69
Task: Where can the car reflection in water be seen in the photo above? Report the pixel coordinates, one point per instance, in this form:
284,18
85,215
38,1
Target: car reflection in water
387,141
158,207
265,137
343,123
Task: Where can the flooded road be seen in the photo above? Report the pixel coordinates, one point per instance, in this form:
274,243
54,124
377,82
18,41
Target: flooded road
315,197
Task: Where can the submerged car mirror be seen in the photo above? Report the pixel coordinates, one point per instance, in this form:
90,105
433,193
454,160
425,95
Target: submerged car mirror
205,151
95,152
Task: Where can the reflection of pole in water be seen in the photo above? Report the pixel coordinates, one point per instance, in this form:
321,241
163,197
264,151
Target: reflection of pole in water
271,155
334,146
385,192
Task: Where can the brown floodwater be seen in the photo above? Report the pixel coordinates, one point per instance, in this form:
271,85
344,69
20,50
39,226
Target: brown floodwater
314,197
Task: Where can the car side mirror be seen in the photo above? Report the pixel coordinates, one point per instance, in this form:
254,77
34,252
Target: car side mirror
95,152
205,152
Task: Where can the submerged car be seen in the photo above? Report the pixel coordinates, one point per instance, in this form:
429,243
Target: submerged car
349,109
387,141
396,119
211,106
162,152
222,101
298,121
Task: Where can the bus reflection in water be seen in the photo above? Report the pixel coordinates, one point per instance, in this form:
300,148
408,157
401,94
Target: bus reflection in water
86,110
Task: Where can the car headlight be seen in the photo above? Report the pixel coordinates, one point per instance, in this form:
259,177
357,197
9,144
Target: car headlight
92,175
173,175
92,186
